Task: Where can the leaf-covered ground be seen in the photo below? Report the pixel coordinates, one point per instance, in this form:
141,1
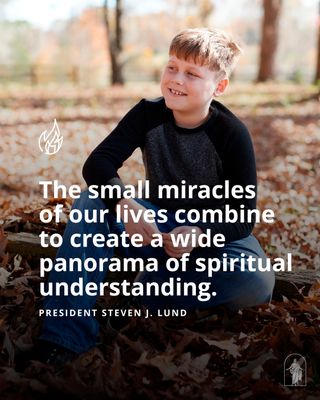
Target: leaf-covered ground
228,356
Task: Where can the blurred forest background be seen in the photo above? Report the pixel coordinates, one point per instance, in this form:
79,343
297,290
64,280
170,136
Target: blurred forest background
75,47
85,64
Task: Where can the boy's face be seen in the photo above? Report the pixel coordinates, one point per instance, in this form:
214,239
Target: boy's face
188,88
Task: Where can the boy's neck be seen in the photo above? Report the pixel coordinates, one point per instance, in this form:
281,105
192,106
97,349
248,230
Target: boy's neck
190,121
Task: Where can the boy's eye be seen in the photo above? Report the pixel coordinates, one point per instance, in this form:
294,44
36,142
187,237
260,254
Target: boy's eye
193,75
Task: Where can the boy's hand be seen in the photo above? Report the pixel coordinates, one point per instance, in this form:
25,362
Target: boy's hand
174,251
145,229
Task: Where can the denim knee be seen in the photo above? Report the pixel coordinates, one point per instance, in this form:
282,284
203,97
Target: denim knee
85,202
257,290
265,282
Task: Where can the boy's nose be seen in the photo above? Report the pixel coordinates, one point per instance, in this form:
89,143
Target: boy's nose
178,79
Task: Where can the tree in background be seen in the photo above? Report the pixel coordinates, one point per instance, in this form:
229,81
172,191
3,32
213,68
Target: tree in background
317,75
114,37
206,8
191,13
269,39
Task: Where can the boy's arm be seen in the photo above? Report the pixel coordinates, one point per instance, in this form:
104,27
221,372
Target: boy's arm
239,167
101,167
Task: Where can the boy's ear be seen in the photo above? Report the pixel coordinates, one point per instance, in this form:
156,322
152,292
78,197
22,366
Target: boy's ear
221,87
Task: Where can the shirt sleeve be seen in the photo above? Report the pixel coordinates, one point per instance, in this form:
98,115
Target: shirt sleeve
239,168
101,167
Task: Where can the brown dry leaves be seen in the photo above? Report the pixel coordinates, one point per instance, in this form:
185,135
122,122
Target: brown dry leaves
237,355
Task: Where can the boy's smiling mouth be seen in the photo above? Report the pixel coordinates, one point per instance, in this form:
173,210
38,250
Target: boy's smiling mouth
176,92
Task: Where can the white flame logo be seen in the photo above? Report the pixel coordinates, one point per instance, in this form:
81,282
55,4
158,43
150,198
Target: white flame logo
50,143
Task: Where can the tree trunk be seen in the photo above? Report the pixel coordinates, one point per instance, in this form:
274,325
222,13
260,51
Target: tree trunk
269,40
114,37
317,75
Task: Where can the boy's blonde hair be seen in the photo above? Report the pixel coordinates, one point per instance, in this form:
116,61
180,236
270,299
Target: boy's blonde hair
213,48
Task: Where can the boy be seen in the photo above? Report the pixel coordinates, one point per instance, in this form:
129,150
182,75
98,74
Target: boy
184,136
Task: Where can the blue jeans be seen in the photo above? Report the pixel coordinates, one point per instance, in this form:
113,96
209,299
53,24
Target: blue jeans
234,289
